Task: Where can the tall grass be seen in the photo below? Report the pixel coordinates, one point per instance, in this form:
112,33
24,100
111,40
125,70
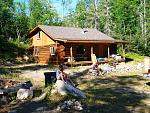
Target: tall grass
136,57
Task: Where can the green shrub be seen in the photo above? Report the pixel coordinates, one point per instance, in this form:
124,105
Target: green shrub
134,56
121,51
10,50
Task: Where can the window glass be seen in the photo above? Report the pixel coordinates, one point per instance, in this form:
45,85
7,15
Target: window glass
52,50
80,49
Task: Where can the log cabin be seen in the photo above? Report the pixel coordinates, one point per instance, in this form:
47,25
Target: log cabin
55,44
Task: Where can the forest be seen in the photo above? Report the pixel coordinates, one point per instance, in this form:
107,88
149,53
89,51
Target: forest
121,19
110,87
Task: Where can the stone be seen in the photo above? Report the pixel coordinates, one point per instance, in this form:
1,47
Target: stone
70,104
24,94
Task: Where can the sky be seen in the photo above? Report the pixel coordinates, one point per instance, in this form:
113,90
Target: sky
57,4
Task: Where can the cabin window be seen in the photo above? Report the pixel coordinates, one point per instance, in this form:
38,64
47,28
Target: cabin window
36,51
52,50
38,36
80,49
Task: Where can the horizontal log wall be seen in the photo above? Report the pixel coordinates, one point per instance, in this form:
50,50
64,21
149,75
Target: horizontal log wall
63,50
43,55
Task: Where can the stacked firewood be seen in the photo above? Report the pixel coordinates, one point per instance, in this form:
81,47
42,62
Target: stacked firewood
7,83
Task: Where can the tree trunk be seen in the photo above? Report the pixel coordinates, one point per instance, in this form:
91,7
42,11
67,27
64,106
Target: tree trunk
96,14
145,23
107,28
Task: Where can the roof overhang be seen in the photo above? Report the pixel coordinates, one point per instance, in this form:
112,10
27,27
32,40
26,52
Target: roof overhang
89,41
121,42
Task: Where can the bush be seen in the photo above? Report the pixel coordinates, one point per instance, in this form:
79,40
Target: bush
12,49
134,56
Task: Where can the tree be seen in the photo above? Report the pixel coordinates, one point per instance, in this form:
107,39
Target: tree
6,21
41,12
21,20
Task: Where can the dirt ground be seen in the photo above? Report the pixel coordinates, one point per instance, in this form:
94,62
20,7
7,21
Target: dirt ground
116,92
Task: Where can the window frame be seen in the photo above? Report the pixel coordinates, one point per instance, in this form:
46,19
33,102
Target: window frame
52,50
38,37
36,51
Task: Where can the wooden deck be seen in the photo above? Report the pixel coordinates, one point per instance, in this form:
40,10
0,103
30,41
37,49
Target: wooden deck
78,63
90,62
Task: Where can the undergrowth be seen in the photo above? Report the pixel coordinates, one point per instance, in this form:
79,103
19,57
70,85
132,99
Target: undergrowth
134,56
9,50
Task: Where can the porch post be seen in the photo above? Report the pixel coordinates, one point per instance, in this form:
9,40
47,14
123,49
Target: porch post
71,55
91,49
108,51
57,55
34,52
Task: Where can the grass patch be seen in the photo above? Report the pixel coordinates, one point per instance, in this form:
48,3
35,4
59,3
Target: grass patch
114,93
8,73
136,57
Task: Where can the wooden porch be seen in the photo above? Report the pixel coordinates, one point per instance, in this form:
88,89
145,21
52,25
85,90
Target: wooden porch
102,50
90,62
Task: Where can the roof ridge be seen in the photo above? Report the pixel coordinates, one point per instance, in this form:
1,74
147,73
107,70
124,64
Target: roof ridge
68,27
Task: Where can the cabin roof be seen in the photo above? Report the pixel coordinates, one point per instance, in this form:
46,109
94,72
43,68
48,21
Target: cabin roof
73,34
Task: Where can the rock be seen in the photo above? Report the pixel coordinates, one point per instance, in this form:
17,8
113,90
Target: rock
70,104
24,94
78,106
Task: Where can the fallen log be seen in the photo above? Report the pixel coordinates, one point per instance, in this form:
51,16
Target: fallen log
9,89
5,90
40,98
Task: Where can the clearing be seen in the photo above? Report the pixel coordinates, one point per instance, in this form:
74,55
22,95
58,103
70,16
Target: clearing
116,92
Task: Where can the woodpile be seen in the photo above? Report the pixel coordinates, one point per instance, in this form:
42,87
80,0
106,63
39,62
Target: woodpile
7,83
9,87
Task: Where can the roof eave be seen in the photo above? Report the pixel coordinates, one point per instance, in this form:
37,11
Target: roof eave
89,41
121,42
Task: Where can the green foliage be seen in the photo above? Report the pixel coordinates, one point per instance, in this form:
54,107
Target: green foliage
11,49
80,13
48,89
13,96
6,16
120,19
21,25
19,44
121,51
41,12
135,56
